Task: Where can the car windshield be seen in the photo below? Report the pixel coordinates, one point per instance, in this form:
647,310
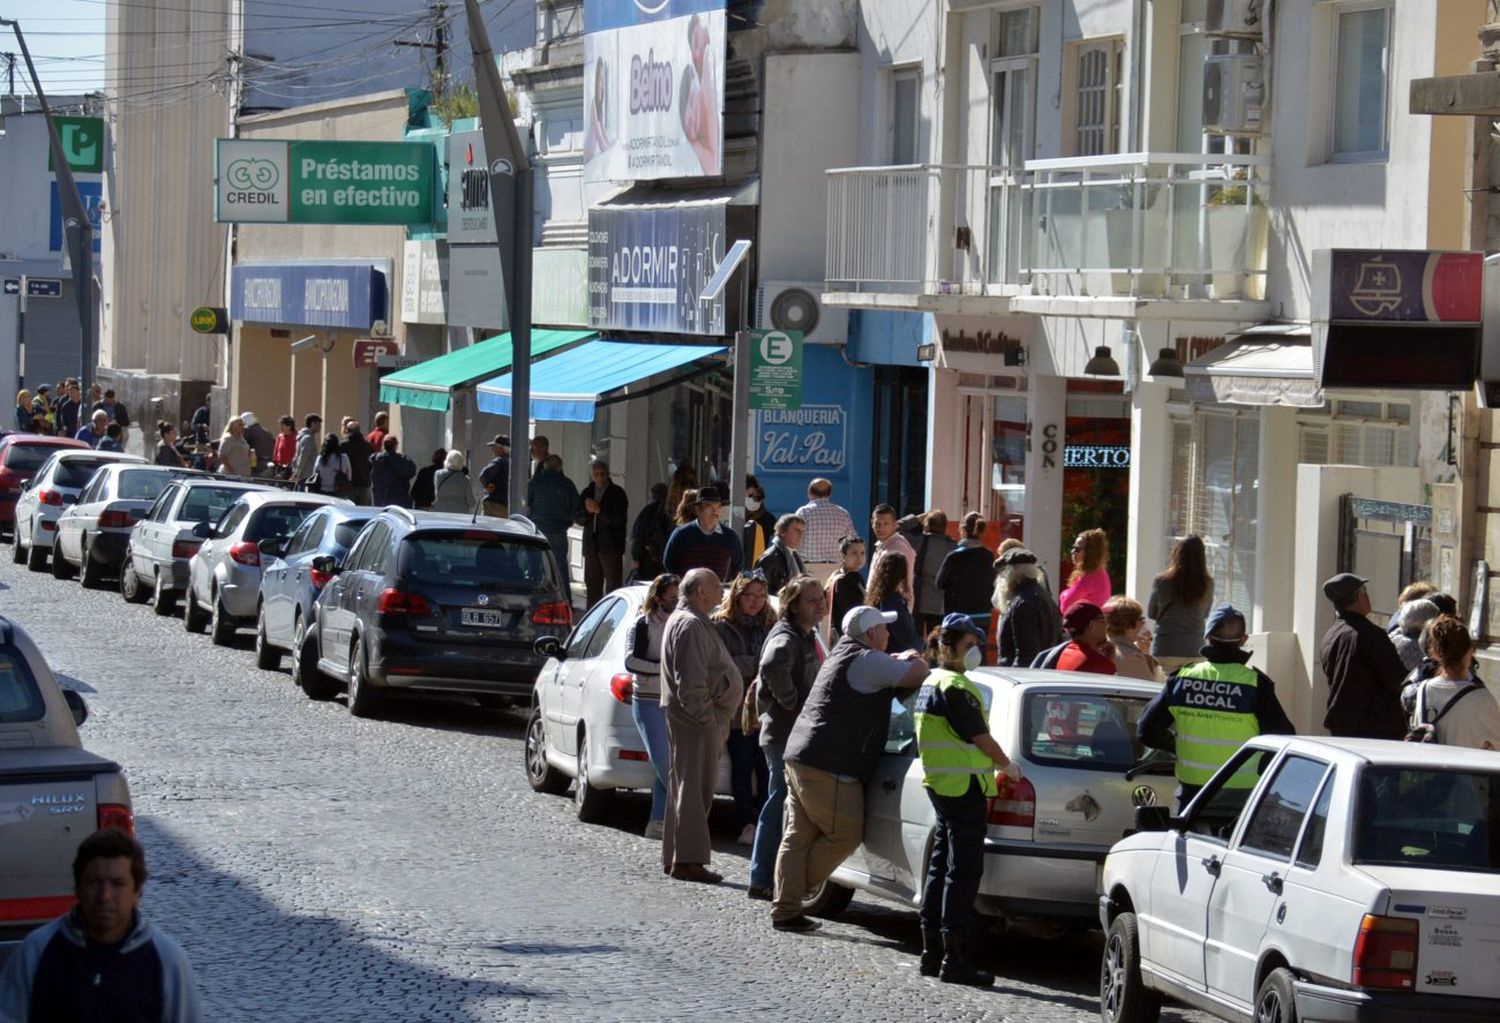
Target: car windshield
277,520
478,559
28,457
1428,817
207,504
1095,731
142,484
20,699
76,472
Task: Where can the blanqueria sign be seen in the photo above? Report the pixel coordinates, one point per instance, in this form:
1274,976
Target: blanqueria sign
279,181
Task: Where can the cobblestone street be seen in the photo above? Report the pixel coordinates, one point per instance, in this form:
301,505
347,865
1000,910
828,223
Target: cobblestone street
316,866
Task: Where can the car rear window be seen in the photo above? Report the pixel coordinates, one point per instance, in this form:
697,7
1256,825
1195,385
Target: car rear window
1428,817
277,520
28,457
76,472
1095,731
141,484
207,504
478,559
20,699
345,532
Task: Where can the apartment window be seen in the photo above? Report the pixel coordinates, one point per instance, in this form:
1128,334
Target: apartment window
1361,73
1018,33
906,92
1097,99
1215,480
1011,76
1357,432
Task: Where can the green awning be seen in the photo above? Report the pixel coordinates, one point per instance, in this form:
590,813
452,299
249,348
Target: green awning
428,384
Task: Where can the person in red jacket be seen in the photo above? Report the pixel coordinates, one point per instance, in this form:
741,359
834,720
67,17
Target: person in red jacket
1089,629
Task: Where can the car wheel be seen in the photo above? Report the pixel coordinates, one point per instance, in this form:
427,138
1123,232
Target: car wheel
17,552
60,567
130,584
1276,1002
267,657
541,775
305,673
162,601
592,803
193,618
1123,996
90,572
364,701
827,900
223,624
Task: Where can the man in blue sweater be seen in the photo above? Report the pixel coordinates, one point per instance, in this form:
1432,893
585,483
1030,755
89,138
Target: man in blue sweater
101,960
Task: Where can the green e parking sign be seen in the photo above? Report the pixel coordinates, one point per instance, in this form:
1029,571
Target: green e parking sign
776,369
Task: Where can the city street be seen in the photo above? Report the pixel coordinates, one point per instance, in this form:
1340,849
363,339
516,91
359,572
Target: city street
316,866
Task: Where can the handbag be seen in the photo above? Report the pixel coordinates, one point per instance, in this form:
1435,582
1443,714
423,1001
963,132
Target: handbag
749,715
1422,730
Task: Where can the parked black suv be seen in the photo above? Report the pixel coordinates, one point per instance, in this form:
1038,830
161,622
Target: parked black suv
433,602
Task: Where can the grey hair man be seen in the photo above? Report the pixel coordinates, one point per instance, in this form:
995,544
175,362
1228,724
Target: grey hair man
782,561
1029,619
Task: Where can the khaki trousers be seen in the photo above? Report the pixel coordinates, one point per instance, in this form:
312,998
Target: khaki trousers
497,509
825,822
690,790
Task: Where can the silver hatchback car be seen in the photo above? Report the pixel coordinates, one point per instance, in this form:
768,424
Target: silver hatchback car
223,586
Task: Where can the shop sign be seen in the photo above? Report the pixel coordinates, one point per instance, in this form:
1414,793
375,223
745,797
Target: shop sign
1405,286
560,287
368,351
43,287
476,288
776,369
209,320
653,83
424,280
1096,456
350,296
469,217
280,181
82,144
812,439
648,265
92,193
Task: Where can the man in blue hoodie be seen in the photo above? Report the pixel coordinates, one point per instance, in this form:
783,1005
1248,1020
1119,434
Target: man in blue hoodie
101,960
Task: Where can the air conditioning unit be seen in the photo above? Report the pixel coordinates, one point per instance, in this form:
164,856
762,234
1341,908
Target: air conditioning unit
795,305
1234,90
1237,17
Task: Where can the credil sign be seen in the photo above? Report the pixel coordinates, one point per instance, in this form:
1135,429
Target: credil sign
266,181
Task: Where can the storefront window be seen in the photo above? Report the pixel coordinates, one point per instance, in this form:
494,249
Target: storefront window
1215,468
1096,470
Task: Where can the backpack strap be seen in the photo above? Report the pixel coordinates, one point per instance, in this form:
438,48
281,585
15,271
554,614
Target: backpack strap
1471,687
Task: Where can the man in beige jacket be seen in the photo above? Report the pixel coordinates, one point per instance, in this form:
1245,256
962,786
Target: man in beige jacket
700,693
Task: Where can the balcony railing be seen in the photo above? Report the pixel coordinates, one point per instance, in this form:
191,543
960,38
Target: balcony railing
1178,225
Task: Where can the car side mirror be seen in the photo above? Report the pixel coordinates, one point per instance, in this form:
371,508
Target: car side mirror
325,563
1153,818
203,530
76,706
549,646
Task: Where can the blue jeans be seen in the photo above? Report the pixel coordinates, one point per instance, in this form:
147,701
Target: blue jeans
651,721
772,818
747,776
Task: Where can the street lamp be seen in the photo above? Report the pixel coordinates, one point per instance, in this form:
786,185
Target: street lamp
1166,364
1103,363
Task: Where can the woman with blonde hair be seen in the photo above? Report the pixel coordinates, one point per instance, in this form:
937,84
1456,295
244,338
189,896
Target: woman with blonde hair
234,449
744,621
1125,621
1090,579
451,491
25,417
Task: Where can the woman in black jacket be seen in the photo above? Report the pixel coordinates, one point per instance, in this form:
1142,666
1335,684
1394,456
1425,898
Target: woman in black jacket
967,576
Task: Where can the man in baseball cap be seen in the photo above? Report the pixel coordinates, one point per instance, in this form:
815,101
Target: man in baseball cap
1364,669
833,748
1089,630
1209,708
494,478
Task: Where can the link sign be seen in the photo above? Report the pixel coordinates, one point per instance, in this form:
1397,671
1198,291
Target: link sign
776,369
264,181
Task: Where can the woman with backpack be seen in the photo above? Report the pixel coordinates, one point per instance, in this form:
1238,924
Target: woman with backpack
330,473
1453,707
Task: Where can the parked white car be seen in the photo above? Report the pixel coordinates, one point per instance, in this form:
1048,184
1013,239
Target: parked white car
580,729
1074,736
1360,880
55,486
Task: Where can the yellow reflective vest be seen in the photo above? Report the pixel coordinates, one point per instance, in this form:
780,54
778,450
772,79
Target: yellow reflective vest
948,760
1214,711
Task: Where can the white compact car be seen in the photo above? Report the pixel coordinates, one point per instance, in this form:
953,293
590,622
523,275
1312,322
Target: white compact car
580,728
1074,736
55,486
1359,880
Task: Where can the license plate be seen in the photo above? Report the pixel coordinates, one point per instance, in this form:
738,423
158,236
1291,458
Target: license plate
483,617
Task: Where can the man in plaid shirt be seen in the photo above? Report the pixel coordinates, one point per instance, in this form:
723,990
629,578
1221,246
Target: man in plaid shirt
827,524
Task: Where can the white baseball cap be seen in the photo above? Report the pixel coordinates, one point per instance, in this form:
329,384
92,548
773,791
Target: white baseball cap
862,619
248,418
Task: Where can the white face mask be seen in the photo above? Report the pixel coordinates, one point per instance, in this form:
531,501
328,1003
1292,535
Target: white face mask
972,658
752,504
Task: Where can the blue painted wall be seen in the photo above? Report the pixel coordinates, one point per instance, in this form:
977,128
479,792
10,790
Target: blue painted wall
888,339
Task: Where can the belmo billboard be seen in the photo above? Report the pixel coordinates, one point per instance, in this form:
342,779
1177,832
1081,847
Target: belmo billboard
283,181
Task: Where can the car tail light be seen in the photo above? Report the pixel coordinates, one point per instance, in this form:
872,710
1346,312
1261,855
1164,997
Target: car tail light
399,602
1385,953
1014,805
319,579
622,686
116,815
52,497
114,520
246,552
556,612
185,548
635,754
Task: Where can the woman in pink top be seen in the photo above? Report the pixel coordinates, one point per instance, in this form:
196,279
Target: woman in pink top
1090,578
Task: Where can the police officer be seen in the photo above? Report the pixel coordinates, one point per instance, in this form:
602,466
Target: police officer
959,758
1209,708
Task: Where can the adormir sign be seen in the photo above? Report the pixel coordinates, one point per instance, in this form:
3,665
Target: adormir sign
307,182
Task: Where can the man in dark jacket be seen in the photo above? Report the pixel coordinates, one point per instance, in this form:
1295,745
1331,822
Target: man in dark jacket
1363,668
648,535
781,561
261,442
553,505
494,478
391,474
834,746
1210,706
358,451
606,509
789,663
1031,621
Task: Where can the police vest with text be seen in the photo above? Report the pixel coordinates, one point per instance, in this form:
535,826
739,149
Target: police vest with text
949,762
1214,708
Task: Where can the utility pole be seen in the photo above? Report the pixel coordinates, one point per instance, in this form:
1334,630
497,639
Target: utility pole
438,44
10,74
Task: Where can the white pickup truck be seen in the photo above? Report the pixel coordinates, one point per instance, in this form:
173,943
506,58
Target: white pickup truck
53,793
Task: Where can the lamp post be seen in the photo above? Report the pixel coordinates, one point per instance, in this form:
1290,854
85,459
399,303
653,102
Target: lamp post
79,231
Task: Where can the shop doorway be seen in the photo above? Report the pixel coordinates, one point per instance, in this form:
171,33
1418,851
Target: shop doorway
1096,472
992,428
898,474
